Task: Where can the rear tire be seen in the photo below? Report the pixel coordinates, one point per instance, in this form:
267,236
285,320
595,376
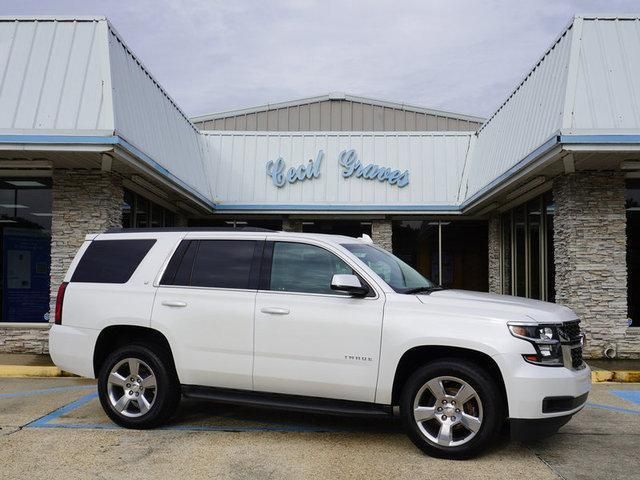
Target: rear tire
451,408
138,387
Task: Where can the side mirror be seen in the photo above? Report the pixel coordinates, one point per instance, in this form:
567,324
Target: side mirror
350,284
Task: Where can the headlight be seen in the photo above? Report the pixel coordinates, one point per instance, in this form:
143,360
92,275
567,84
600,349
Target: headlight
545,340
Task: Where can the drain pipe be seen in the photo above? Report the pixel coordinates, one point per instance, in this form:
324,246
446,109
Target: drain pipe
610,351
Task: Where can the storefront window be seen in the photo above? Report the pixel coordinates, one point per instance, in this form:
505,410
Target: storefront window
520,270
416,243
507,227
534,219
452,254
549,257
633,251
139,212
233,222
25,238
349,228
527,249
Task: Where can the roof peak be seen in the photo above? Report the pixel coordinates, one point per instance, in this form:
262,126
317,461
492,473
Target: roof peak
335,96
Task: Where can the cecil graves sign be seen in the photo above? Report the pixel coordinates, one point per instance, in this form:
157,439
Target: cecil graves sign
348,161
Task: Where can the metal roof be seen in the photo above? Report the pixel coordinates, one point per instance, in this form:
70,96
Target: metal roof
73,81
584,86
336,96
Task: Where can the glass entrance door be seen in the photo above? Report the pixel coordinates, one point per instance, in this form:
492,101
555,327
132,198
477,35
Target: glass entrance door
25,243
527,249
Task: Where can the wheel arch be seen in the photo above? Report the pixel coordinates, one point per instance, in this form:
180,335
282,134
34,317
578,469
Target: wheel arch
420,355
116,336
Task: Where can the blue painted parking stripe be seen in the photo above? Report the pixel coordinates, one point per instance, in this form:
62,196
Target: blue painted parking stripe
611,407
62,410
46,390
192,428
47,421
632,396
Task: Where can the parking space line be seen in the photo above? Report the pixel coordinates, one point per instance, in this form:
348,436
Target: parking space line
48,421
47,390
615,409
62,410
632,396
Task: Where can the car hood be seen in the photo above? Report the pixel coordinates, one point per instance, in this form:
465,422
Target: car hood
493,306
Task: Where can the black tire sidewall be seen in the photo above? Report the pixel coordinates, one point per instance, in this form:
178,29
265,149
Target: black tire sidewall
481,381
167,387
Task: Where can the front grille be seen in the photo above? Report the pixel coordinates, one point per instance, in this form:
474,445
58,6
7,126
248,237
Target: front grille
570,335
571,330
576,357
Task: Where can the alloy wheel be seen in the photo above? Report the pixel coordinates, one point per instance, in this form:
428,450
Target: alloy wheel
448,411
132,387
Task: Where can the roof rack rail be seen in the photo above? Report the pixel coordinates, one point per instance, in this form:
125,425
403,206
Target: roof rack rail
187,229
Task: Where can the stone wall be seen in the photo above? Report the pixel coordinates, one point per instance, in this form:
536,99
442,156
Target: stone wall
24,340
590,258
495,277
83,202
382,234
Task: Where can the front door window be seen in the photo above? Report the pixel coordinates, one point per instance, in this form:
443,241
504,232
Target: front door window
25,240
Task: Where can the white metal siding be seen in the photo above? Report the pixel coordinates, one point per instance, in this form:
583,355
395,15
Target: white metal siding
147,117
529,117
607,90
54,75
237,167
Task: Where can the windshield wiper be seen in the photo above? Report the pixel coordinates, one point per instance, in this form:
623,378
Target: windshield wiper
423,289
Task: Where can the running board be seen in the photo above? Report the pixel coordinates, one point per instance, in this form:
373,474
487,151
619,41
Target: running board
287,402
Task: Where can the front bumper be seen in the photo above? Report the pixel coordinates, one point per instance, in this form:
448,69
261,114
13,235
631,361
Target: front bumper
528,386
525,429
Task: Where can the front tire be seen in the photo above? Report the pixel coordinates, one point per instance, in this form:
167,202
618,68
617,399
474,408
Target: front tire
451,408
138,387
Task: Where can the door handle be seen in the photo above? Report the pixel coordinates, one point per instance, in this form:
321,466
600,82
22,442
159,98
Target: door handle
275,310
174,304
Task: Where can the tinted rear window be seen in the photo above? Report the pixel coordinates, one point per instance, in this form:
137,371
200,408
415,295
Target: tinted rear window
212,263
223,264
111,261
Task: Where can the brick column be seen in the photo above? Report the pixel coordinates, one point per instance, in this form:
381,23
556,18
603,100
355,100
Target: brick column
289,225
590,257
83,202
495,275
382,234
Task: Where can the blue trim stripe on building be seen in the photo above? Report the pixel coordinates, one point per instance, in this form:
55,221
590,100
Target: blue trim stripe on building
60,139
337,208
600,139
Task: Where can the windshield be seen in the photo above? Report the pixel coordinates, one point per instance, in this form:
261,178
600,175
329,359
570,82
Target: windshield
398,275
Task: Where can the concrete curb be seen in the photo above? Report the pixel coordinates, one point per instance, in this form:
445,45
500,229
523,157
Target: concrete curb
32,371
625,376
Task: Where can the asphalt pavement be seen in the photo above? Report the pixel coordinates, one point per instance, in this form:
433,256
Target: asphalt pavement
55,428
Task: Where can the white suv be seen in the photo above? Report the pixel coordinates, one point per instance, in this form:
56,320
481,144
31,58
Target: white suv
319,323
